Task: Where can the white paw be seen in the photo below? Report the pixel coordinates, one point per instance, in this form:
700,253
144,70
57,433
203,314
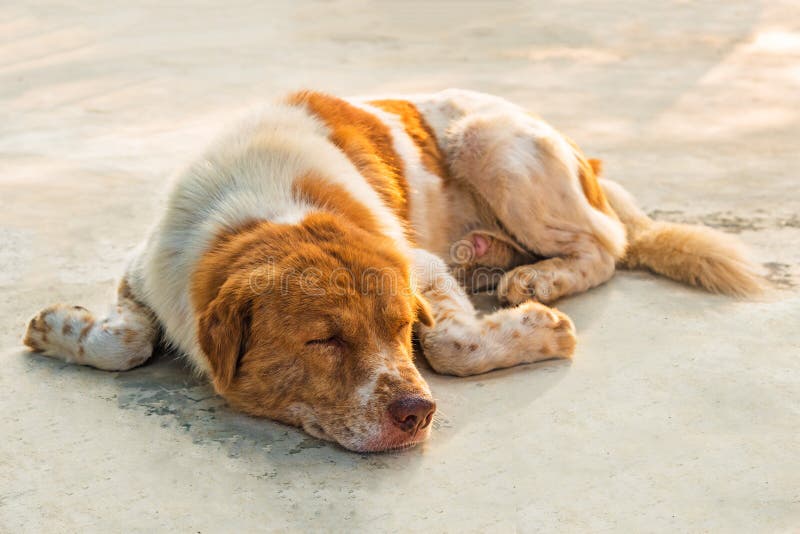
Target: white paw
58,328
550,330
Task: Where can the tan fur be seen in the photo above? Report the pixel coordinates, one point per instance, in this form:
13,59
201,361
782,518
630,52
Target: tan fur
693,254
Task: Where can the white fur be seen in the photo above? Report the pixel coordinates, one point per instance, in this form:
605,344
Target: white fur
121,340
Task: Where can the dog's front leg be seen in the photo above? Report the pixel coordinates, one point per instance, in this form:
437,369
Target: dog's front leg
463,344
121,340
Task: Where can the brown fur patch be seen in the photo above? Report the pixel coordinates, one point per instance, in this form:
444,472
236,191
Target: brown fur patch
591,187
124,290
420,132
597,166
39,324
325,193
589,171
366,141
32,344
129,336
85,331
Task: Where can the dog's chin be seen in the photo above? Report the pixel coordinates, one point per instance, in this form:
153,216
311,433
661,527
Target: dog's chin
394,447
388,439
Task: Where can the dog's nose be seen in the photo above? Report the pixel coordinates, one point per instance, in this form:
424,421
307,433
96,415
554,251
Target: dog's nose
412,413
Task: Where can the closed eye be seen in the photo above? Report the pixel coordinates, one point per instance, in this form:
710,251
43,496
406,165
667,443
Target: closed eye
332,341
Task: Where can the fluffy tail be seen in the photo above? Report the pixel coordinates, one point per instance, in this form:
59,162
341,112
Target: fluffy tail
696,255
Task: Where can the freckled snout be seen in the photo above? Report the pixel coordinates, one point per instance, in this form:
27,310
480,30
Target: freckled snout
412,413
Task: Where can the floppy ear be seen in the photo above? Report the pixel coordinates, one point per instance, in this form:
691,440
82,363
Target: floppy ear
223,330
597,166
424,312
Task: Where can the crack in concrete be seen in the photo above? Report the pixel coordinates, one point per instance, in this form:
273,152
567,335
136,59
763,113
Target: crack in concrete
729,221
780,275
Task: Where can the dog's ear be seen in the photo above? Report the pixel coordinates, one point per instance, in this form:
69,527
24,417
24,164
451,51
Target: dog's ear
490,248
597,166
223,332
424,312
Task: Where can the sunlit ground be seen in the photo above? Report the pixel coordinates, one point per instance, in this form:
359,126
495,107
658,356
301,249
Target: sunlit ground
680,411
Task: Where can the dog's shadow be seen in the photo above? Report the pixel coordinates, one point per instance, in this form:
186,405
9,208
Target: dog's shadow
167,388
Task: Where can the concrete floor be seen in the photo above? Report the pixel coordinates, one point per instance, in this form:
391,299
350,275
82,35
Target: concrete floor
680,412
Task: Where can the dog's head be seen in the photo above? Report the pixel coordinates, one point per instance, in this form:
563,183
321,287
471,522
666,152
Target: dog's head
310,324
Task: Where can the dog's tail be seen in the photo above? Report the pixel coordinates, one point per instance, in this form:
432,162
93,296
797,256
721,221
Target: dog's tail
696,255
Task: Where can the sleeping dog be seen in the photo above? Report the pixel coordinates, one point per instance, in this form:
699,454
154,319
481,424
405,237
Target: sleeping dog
296,257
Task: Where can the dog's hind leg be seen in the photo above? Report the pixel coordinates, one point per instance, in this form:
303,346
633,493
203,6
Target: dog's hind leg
544,193
462,343
119,341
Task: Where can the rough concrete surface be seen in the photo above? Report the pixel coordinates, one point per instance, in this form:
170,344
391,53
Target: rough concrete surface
680,412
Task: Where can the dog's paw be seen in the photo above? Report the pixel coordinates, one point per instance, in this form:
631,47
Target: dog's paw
42,329
551,331
56,327
530,283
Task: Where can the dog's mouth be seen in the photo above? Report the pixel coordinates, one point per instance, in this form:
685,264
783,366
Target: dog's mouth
388,439
399,447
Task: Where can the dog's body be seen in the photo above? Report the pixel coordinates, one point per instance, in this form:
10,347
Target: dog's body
262,267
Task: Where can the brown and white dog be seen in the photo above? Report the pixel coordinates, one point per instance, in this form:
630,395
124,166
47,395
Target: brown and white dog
296,255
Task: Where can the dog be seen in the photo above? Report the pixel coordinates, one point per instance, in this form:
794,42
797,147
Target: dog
297,256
